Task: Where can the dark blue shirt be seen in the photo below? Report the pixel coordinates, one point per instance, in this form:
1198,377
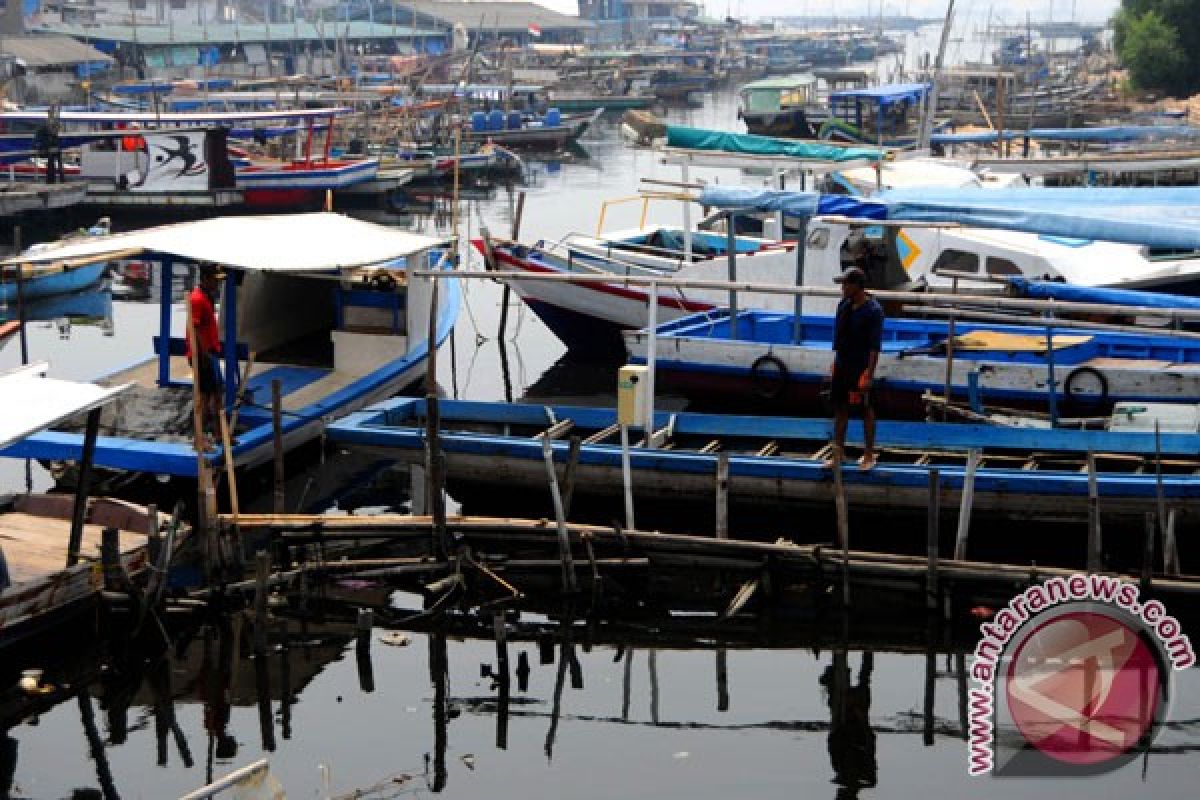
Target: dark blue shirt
857,332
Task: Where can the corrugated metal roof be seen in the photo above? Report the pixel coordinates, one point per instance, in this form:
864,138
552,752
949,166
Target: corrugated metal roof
50,51
224,34
492,16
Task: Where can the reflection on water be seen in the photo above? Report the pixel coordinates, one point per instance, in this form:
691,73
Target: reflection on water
597,709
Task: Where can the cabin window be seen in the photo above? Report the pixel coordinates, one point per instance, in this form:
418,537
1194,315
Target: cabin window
762,100
1002,266
179,5
956,261
137,5
818,239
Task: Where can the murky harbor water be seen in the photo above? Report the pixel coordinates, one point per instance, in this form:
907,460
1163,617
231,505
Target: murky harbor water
641,712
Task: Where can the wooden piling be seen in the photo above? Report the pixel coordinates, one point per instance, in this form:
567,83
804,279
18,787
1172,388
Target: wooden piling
931,540
501,674
262,574
843,521
110,558
280,501
968,500
1148,553
1095,558
564,537
362,650
722,526
1170,547
574,447
722,679
22,331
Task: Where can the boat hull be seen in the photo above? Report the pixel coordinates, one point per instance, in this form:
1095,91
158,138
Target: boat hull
487,458
53,283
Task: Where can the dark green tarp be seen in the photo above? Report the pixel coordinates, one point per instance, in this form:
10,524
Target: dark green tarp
751,144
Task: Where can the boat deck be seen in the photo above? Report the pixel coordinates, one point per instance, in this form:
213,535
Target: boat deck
36,547
302,384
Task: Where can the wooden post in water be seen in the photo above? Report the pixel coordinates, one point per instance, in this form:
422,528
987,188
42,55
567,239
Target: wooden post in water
110,558
362,650
262,573
575,444
722,527
722,679
279,497
968,500
79,510
1170,548
501,674
843,522
931,539
435,498
1148,554
21,332
948,381
564,536
1095,558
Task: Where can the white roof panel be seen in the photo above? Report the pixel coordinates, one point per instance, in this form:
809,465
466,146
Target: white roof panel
285,243
31,402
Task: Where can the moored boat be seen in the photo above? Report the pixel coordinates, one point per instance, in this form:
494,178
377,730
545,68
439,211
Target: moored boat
781,463
327,305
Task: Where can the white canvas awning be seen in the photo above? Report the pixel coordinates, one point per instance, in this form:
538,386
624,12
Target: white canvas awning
287,243
31,402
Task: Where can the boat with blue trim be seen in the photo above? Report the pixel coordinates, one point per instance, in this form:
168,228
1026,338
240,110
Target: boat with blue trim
777,358
323,305
782,462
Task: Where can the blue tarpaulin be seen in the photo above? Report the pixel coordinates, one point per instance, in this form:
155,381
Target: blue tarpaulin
793,204
1052,290
1162,218
1166,218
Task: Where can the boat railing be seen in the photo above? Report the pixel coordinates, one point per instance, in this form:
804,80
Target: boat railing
562,248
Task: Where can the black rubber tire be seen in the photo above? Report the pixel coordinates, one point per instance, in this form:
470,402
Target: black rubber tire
766,385
1087,401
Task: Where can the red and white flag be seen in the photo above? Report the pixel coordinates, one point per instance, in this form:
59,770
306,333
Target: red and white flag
534,30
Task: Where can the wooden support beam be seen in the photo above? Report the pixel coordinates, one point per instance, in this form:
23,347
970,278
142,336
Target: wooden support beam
602,434
931,539
722,525
557,430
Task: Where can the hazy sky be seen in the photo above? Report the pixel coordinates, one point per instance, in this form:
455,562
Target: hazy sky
1085,10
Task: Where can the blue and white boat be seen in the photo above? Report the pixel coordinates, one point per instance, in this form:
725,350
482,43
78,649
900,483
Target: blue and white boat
46,280
779,462
324,304
775,357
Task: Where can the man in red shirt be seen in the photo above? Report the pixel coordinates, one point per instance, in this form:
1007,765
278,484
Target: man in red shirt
203,317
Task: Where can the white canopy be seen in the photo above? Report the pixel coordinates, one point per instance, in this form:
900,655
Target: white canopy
286,243
31,402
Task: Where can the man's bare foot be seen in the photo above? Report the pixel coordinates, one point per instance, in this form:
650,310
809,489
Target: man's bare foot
867,462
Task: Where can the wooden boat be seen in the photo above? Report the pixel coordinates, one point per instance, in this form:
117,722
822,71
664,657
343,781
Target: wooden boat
779,463
554,130
47,280
591,316
326,305
49,543
786,106
780,359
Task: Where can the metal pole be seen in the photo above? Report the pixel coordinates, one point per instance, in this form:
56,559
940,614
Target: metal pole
731,256
1051,383
801,246
687,218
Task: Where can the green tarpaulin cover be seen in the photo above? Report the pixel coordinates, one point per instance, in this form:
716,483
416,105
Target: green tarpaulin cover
750,144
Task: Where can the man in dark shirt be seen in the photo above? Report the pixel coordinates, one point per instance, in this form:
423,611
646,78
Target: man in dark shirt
857,338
